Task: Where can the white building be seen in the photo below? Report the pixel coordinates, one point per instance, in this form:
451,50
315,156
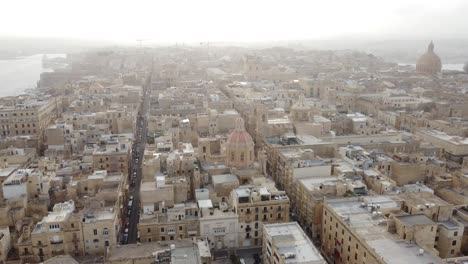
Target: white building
220,228
15,185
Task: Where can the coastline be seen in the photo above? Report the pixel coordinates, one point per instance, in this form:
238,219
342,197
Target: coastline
20,74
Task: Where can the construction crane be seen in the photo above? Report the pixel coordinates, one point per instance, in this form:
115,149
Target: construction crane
141,41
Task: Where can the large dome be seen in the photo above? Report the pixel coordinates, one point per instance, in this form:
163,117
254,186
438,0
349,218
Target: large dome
240,137
429,62
240,147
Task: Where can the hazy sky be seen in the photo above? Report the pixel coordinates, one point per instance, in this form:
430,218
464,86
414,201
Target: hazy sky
234,20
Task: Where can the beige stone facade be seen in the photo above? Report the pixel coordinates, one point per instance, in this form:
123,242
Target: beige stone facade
28,118
257,206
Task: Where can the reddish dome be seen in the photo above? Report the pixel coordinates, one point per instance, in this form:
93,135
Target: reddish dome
240,147
239,136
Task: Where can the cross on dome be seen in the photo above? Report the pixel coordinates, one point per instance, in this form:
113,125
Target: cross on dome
240,124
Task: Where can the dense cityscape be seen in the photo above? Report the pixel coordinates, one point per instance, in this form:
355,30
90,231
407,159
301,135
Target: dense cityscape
222,154
234,132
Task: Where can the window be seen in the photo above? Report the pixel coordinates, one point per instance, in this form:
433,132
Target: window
162,229
181,228
452,251
219,230
96,240
455,233
72,225
242,156
149,230
106,243
454,243
163,238
95,232
105,231
54,226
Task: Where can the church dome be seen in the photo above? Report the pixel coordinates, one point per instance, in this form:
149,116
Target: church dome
239,136
429,62
240,147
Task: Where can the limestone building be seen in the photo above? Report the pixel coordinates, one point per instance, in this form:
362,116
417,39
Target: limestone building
287,243
59,233
258,205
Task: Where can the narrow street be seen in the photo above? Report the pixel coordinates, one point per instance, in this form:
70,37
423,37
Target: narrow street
133,211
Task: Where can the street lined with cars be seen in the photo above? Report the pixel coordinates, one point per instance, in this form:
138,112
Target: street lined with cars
130,234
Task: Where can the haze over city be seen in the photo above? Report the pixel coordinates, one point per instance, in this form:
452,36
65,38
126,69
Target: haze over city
236,21
234,132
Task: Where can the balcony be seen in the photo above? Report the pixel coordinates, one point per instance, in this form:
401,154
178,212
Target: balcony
56,242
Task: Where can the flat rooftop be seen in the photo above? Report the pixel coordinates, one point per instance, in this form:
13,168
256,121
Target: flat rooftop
388,246
5,172
419,219
314,183
456,140
89,217
289,238
422,198
224,178
146,250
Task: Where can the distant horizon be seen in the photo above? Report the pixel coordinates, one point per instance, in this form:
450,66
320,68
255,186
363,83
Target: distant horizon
353,38
240,21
